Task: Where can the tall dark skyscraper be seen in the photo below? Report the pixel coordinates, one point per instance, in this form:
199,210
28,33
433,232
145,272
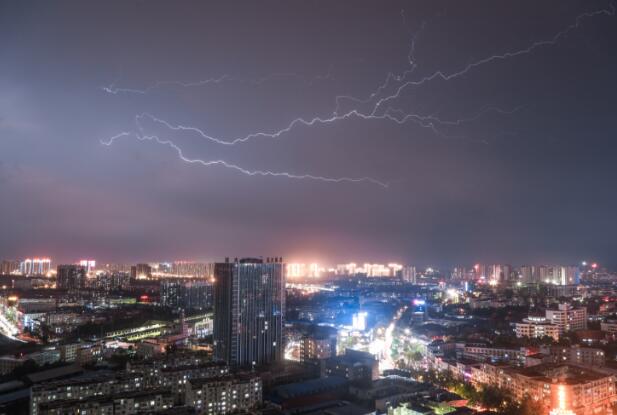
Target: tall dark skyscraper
71,277
249,302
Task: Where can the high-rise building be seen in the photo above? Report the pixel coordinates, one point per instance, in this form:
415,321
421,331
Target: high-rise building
71,277
480,272
35,266
527,274
507,273
116,268
369,270
189,269
187,294
499,274
301,270
141,271
409,274
458,274
89,264
496,274
9,267
556,275
249,304
112,281
569,275
541,273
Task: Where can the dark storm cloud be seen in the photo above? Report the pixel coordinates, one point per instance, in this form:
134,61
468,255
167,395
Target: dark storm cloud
533,183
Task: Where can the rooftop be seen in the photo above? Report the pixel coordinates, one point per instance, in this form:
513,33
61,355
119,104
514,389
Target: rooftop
236,377
309,387
568,374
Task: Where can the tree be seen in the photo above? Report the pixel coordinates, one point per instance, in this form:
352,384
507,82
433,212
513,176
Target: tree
494,398
467,391
527,406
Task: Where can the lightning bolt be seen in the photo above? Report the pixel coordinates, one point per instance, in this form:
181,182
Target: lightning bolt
111,140
112,89
379,100
423,121
266,173
460,121
390,77
374,114
503,56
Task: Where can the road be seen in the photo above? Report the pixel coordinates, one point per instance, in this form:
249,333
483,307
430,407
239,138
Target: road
7,328
386,362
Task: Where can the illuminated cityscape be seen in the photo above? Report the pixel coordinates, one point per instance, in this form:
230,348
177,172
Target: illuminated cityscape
359,207
443,340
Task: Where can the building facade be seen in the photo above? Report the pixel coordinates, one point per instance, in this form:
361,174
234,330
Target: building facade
568,318
187,294
581,390
239,393
537,327
71,277
249,304
35,266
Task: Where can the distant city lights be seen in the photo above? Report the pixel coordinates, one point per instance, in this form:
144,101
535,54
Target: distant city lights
359,321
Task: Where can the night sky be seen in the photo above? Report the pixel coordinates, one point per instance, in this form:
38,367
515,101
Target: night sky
504,159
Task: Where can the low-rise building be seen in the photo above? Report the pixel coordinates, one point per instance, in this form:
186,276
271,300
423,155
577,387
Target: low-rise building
554,323
568,318
609,326
318,344
83,387
583,390
576,355
480,352
224,395
41,357
176,375
537,327
355,366
82,353
149,401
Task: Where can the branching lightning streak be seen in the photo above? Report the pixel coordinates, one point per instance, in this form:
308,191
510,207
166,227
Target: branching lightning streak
460,121
391,77
503,56
379,111
242,170
425,121
375,114
112,89
111,140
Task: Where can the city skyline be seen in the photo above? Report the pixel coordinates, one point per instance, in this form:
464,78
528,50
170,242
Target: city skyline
24,264
460,132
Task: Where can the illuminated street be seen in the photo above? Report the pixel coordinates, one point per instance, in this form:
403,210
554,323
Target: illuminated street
7,328
384,343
